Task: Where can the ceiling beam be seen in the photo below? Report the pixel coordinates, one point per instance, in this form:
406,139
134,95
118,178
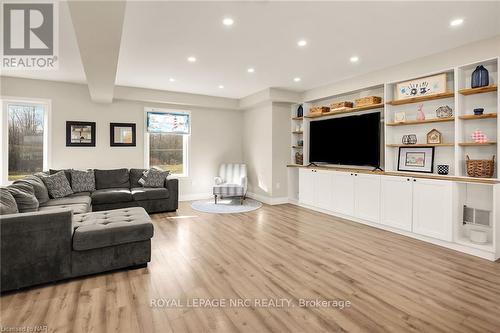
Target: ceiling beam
98,29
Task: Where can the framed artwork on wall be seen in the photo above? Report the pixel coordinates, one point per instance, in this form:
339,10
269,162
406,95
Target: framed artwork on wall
435,84
416,159
122,135
80,134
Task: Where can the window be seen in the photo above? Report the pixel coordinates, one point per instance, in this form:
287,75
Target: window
26,139
167,140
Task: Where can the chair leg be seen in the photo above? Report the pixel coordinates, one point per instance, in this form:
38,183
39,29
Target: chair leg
215,198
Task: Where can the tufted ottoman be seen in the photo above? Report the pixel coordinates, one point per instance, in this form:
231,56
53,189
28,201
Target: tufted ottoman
111,239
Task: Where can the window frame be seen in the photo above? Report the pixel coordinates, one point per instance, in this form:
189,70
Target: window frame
5,101
186,140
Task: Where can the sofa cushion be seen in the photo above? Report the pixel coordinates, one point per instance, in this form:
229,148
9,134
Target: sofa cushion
69,200
8,204
58,185
109,228
116,178
67,173
82,181
142,193
111,195
135,175
154,178
24,194
76,208
41,191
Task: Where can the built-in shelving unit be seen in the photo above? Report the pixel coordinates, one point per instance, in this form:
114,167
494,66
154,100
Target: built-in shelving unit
349,110
480,90
425,121
421,99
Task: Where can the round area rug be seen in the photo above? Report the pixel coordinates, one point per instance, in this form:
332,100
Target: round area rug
226,206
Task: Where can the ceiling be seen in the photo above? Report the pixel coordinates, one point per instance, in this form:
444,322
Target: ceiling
158,37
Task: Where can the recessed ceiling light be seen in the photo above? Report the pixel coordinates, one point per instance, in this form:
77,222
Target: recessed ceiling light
171,79
228,21
251,70
192,59
302,43
456,22
221,86
296,79
354,59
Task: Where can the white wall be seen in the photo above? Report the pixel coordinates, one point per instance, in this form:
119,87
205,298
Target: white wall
216,134
281,148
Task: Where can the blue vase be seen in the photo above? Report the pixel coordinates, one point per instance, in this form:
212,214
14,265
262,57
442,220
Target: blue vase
480,77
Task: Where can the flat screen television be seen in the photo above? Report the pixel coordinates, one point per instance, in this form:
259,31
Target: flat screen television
350,140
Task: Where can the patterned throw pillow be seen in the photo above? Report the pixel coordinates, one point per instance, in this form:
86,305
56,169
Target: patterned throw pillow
58,185
82,181
154,178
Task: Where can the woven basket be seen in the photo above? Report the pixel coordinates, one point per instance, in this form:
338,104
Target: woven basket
480,168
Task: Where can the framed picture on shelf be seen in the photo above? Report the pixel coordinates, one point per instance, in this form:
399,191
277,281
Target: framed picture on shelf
435,84
80,134
122,135
416,159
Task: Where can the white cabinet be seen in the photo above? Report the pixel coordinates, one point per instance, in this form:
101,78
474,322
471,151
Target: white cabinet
323,189
367,197
396,202
343,193
306,186
432,208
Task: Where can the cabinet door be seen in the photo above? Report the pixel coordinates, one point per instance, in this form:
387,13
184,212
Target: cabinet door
323,189
432,208
306,186
396,202
367,197
343,193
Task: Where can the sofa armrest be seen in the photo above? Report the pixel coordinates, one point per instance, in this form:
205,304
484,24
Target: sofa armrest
35,248
173,189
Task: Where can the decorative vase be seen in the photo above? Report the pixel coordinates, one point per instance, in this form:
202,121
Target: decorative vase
478,111
420,113
300,111
480,77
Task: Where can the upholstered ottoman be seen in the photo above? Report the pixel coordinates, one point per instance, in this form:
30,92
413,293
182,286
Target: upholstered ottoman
110,240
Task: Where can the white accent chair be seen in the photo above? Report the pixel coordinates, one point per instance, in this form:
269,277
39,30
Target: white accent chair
231,182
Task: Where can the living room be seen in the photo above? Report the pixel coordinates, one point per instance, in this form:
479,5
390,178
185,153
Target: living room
250,166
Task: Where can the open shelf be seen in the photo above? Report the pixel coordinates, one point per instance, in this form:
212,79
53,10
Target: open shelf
420,145
350,110
297,147
482,116
480,90
470,144
426,121
421,98
297,132
297,118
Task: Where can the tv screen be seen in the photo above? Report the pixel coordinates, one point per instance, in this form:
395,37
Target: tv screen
351,140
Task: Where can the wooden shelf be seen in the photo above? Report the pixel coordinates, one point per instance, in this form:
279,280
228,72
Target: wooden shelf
421,98
297,147
351,110
426,121
420,145
482,116
480,90
297,118
470,144
297,132
404,174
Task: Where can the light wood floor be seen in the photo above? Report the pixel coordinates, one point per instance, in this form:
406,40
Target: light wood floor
395,284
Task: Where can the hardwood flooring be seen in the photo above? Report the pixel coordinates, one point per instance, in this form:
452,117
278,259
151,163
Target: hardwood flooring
394,283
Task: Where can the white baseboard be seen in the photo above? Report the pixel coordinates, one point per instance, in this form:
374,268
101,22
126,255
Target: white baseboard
268,200
195,196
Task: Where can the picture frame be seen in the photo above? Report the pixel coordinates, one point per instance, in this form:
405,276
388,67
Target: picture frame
429,85
122,135
80,134
416,159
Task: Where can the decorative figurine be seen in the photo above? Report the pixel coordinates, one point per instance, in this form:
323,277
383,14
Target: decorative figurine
420,113
444,112
479,137
434,136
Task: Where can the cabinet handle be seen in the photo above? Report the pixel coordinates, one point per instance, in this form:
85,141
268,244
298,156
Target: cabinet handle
414,180
407,179
356,174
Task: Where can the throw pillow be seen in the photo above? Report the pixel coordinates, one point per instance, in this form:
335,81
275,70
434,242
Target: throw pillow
67,173
24,194
41,192
82,181
154,178
58,185
8,204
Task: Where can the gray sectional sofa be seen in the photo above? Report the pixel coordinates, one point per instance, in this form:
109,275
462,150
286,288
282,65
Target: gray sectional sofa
83,233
